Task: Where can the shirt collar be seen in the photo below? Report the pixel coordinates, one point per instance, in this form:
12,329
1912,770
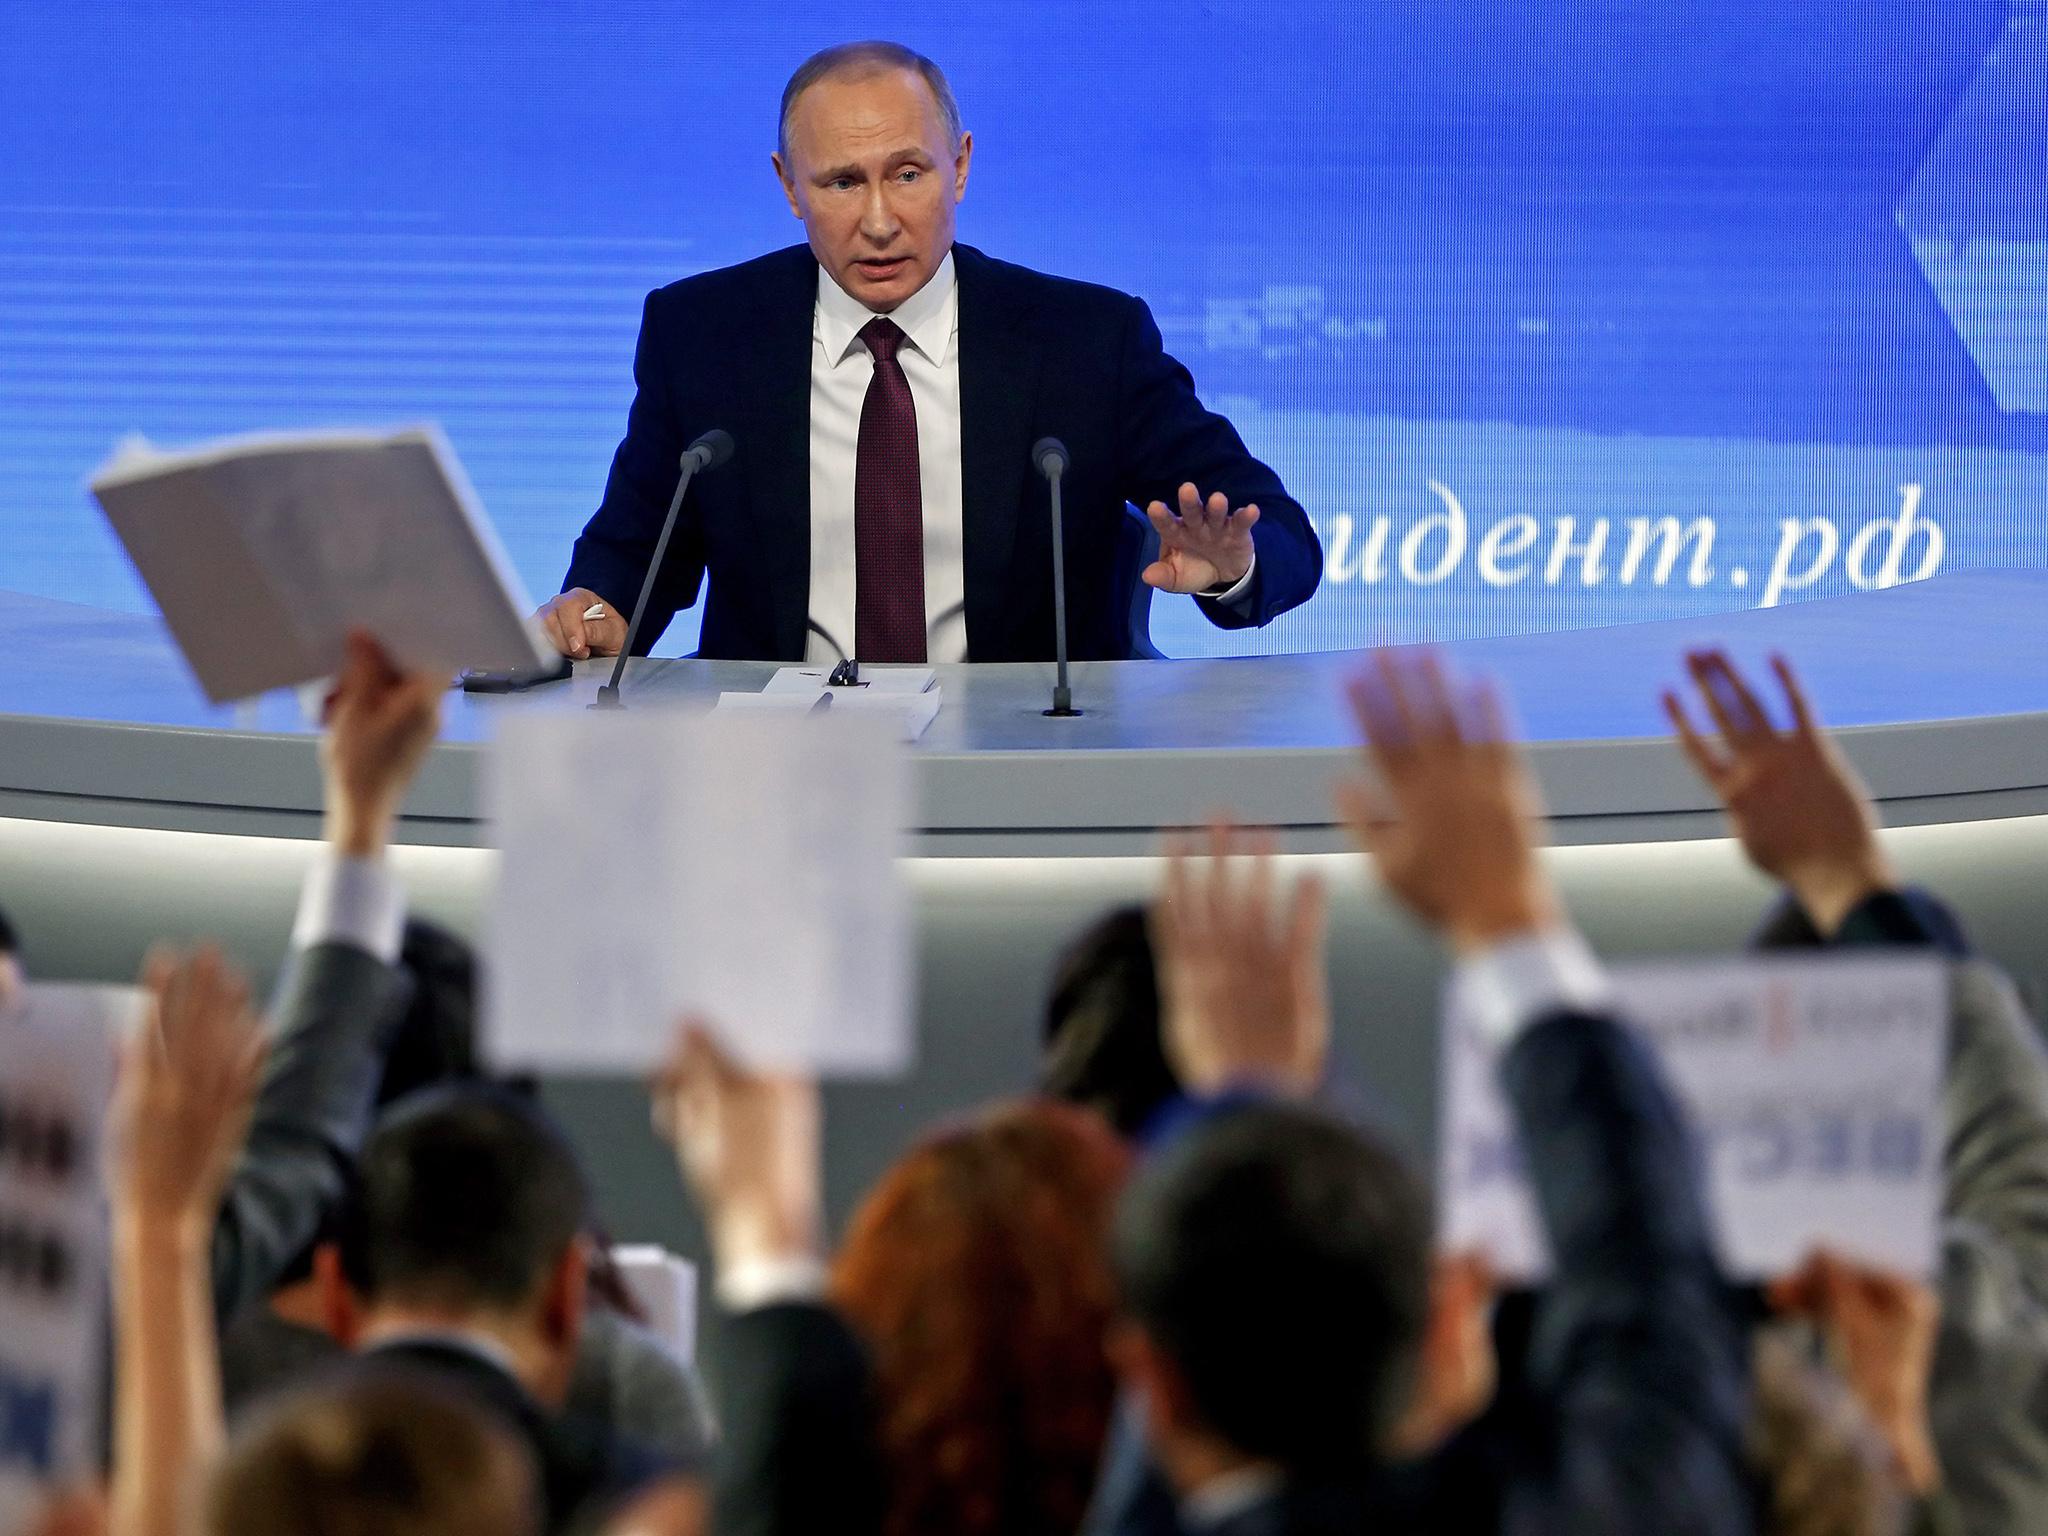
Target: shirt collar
482,1347
928,317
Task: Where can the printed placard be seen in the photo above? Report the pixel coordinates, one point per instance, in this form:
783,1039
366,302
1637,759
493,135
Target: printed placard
1814,1089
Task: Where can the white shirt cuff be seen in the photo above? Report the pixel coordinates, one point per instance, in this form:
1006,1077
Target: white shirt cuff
1239,588
351,901
1509,986
755,1283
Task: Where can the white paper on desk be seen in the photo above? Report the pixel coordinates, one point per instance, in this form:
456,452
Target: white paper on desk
57,1051
738,866
910,715
263,551
1814,1090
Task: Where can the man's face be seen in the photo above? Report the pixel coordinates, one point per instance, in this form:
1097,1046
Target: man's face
870,172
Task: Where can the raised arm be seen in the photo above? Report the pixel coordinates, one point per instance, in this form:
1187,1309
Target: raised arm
1638,1365
342,992
799,1453
181,1105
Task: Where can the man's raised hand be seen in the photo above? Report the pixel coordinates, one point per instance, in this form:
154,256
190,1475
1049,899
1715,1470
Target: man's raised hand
578,637
1242,989
1452,820
380,723
187,1081
1203,545
1797,806
747,1143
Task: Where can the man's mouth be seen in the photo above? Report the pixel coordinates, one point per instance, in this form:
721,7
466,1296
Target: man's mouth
882,266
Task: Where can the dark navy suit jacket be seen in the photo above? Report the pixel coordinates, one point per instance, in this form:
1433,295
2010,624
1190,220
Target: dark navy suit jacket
1039,356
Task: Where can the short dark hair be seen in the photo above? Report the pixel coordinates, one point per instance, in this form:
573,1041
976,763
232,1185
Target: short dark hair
1281,1259
375,1450
435,1041
10,941
868,58
466,1196
1102,1045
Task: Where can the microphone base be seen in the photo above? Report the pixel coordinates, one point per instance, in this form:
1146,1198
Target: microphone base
608,698
1063,712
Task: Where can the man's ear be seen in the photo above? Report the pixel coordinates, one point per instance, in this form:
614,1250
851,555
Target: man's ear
1456,1371
960,166
783,175
566,1296
341,1311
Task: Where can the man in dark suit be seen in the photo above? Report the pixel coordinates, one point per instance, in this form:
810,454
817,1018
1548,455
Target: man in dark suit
465,1261
884,387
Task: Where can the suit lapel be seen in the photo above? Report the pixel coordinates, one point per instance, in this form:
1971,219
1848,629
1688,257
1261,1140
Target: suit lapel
775,370
999,362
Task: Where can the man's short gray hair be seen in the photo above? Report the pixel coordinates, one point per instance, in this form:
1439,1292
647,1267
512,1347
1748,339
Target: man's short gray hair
858,59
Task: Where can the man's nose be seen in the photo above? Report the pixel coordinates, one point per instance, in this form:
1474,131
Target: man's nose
878,220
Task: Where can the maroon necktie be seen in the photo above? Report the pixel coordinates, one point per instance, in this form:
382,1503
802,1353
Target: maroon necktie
888,511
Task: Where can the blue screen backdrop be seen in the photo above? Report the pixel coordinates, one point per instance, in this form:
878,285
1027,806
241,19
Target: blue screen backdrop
1552,315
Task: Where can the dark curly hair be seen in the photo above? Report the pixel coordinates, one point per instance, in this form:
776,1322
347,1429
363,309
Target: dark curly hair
978,1272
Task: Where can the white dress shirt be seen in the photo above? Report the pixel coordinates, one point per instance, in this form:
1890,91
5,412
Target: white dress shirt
840,370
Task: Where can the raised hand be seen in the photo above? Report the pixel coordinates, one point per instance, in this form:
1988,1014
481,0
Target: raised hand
187,1082
380,723
577,637
1202,544
1880,1329
1242,987
1797,806
1452,820
747,1143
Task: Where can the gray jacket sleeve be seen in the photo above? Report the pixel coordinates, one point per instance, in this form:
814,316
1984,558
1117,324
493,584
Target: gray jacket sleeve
1988,1396
628,1380
332,1019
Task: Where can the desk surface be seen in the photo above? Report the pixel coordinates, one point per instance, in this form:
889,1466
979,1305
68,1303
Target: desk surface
1944,686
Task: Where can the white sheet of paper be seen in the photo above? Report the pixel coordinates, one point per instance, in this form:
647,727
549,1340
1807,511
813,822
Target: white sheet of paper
910,715
1814,1087
263,551
57,1051
738,866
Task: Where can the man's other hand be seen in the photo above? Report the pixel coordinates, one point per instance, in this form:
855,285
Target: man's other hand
380,723
1452,821
1203,545
577,637
1801,813
1241,975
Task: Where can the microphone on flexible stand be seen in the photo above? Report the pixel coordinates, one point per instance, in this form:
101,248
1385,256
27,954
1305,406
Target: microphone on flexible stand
1050,455
708,452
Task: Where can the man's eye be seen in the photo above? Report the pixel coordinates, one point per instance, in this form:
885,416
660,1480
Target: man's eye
910,174
841,183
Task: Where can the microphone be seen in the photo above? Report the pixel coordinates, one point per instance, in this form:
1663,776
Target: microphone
710,450
1049,454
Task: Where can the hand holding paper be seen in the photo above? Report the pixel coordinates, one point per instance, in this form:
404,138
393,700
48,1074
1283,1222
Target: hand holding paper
1452,822
1241,977
1880,1328
380,724
1801,812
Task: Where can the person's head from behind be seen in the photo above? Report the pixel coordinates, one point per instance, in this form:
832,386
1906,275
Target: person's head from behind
978,1272
468,1216
374,1453
1102,1044
872,158
1274,1268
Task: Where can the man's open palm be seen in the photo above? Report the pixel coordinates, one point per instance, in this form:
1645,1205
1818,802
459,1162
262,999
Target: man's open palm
1203,545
